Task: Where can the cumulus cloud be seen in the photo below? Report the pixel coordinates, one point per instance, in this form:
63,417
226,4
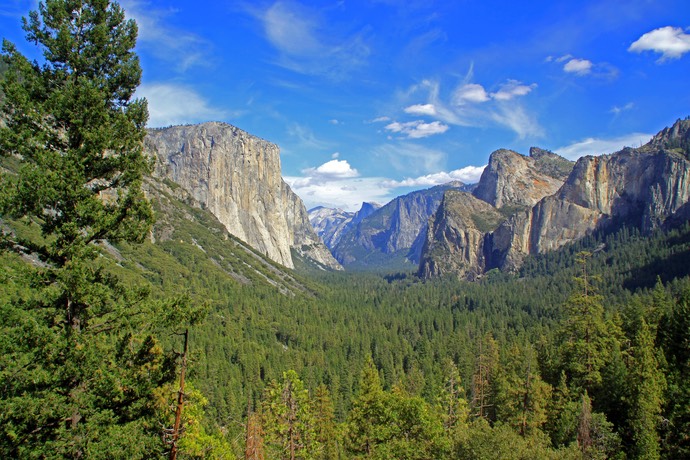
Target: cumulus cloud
467,175
331,170
172,104
599,146
670,42
470,92
578,66
421,109
347,194
417,129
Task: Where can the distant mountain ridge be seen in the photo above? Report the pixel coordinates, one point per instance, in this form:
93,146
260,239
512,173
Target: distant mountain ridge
392,234
647,187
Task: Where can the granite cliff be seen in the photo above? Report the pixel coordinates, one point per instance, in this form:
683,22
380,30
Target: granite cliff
511,179
237,177
455,239
393,233
647,187
331,224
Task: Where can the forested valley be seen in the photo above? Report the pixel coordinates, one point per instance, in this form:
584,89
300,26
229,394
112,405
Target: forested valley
118,343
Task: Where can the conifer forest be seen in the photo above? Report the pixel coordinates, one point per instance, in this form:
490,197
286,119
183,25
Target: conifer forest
115,345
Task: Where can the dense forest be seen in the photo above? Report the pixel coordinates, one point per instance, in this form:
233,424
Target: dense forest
583,354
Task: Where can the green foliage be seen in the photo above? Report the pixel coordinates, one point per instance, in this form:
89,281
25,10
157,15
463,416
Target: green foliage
80,360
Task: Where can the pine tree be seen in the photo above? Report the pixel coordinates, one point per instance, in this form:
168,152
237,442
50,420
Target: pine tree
368,420
583,333
288,420
647,385
81,361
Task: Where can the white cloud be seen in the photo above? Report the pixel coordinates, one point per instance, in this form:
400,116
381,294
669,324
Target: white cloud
380,120
417,129
470,92
172,104
578,66
421,109
670,42
512,89
331,170
470,105
467,175
594,146
347,194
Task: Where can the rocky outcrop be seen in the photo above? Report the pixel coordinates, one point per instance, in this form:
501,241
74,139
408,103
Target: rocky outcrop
511,179
303,238
392,230
331,224
647,187
641,187
237,177
456,236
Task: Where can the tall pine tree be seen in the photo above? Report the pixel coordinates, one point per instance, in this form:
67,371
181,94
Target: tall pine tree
80,362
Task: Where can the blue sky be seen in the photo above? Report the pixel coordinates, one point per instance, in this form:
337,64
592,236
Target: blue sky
372,99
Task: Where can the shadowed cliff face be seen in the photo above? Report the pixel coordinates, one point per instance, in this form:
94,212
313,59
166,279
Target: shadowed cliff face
647,187
455,241
237,177
394,230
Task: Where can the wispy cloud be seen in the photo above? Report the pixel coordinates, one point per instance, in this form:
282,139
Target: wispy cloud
616,110
470,104
179,47
307,44
600,146
172,104
417,129
411,158
305,137
467,175
670,42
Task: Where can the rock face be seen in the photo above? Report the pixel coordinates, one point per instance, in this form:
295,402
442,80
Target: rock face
330,224
647,187
641,187
511,179
392,231
455,240
237,177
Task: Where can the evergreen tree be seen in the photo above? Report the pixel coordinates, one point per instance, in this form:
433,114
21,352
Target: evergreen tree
647,385
583,332
287,419
368,420
523,396
80,362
